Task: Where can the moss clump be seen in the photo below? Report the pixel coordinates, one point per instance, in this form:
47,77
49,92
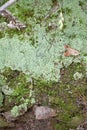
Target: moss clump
64,96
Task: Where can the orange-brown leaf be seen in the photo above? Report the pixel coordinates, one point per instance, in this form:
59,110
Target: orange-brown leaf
70,51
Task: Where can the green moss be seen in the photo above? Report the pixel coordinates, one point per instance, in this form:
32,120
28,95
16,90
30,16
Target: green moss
62,95
1,98
19,83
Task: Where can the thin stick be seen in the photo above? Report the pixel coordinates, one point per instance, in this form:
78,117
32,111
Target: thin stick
7,4
8,15
13,22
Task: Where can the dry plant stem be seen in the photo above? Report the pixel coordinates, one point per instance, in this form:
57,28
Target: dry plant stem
8,15
52,10
13,22
7,4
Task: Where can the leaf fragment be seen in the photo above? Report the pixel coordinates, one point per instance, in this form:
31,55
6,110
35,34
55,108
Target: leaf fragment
70,51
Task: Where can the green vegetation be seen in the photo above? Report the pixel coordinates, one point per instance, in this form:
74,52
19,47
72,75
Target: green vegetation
66,96
41,44
33,68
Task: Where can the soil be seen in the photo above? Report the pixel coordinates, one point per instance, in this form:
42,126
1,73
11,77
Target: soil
28,122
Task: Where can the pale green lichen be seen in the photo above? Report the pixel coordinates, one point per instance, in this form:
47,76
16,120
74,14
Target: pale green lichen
22,108
7,90
40,54
78,75
16,110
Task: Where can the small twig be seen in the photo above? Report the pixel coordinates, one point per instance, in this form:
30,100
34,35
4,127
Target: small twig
8,15
13,22
7,4
52,10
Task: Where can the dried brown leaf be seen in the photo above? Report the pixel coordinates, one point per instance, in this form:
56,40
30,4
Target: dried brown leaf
70,51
